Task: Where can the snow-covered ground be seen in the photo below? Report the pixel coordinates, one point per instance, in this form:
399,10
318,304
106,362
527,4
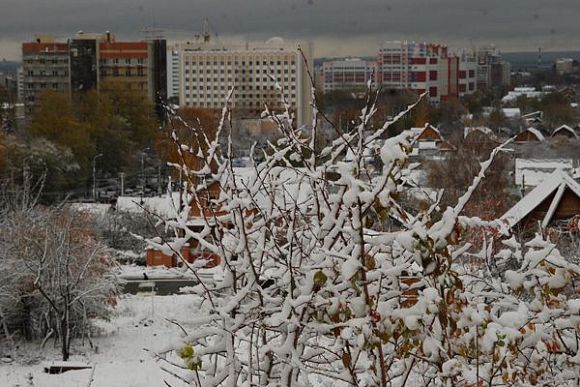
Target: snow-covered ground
119,357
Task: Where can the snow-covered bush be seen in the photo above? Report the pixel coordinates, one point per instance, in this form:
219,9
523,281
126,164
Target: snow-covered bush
313,290
55,275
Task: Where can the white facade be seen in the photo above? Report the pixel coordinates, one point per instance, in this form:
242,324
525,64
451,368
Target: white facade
202,75
173,74
467,74
347,74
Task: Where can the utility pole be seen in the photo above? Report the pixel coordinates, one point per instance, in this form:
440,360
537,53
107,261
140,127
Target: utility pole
143,173
159,180
122,183
95,176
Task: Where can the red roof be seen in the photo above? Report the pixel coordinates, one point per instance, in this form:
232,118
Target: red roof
34,47
123,50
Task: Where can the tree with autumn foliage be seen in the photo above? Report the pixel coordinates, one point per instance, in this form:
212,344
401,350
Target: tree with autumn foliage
56,275
193,126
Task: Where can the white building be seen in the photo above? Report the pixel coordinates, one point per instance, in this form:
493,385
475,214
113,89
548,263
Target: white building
564,66
173,74
347,74
467,73
202,74
426,67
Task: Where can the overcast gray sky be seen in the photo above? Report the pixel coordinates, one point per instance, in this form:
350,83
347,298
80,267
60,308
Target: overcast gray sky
336,27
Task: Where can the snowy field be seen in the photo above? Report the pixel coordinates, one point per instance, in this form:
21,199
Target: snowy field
119,357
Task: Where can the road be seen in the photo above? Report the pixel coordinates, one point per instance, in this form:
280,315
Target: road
161,286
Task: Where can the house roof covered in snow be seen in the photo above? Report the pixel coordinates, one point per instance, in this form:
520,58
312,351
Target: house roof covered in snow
165,206
554,187
531,172
512,112
565,130
426,133
482,129
530,134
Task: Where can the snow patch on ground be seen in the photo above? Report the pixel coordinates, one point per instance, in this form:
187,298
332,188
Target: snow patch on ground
119,357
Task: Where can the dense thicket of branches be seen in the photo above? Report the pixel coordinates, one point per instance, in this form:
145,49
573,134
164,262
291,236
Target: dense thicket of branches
315,291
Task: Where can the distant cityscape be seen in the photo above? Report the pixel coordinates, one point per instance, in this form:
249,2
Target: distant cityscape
198,73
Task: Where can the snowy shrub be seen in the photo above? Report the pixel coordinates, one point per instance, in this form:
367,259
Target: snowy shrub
313,290
56,276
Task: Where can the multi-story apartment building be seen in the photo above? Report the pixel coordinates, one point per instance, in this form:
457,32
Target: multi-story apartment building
206,72
45,66
492,70
467,73
93,61
347,74
173,72
425,67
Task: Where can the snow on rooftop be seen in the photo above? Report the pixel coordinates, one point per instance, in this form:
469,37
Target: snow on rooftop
512,112
528,92
483,129
536,133
557,182
531,172
565,128
164,206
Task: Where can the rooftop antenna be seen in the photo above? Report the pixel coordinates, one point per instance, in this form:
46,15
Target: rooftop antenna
205,30
153,33
539,57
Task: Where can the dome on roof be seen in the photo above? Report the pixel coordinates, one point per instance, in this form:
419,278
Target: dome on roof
275,41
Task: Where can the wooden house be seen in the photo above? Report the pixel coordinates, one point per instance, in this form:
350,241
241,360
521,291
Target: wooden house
479,135
530,134
565,131
555,200
428,140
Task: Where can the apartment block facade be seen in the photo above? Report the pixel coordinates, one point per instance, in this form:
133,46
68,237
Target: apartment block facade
45,66
347,74
93,61
492,70
467,77
202,74
425,67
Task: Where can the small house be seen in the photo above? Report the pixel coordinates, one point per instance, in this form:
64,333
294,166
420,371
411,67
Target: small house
554,201
479,135
429,140
565,131
530,134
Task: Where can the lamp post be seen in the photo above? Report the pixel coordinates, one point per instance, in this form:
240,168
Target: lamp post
143,153
95,176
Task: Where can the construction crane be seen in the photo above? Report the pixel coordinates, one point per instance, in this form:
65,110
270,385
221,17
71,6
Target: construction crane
205,35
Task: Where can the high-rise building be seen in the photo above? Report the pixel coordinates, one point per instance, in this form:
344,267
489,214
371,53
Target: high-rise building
467,73
45,66
492,70
564,66
425,67
347,74
201,74
93,61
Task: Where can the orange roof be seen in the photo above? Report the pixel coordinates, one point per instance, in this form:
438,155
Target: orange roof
34,47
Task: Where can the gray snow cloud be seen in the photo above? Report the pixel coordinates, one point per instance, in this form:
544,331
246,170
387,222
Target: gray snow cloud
337,27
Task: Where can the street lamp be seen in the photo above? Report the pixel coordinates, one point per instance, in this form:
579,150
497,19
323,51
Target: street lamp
143,172
95,176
